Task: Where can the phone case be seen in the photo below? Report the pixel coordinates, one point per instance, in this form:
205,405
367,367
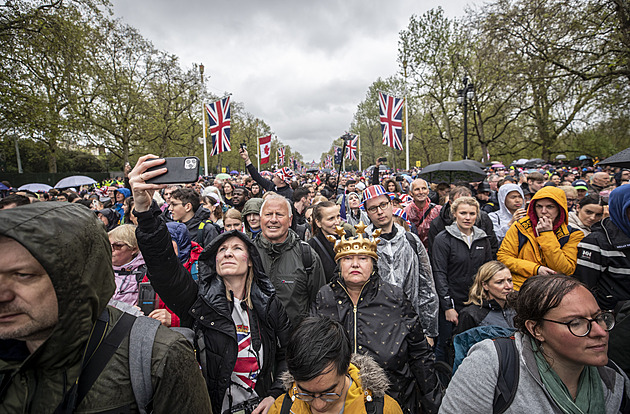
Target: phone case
180,170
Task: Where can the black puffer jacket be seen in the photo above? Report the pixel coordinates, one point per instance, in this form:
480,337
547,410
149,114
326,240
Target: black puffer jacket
455,264
205,308
446,219
387,328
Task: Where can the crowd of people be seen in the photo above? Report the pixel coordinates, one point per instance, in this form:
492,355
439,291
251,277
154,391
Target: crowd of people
347,292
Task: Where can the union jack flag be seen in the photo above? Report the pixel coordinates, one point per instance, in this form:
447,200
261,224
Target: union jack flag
391,120
351,147
329,161
219,124
281,156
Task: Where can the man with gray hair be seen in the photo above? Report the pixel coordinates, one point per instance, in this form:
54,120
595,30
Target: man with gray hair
293,266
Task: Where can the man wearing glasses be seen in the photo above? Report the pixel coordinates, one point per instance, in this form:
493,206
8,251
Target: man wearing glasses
402,258
325,378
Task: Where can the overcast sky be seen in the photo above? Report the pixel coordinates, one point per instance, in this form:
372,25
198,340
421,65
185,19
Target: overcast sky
301,66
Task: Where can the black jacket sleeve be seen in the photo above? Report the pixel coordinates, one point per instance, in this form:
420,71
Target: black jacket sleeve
440,254
262,181
422,364
487,226
375,176
278,316
168,276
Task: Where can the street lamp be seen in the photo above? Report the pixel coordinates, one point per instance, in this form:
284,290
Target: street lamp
463,96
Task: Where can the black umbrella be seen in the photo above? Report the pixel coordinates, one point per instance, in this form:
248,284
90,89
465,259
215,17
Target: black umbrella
452,171
620,159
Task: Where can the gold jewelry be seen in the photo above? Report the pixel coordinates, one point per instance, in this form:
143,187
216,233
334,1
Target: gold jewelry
358,245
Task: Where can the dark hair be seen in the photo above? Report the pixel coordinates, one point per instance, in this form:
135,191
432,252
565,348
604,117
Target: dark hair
317,214
300,193
459,191
259,193
315,344
187,195
396,185
71,196
538,295
592,199
18,200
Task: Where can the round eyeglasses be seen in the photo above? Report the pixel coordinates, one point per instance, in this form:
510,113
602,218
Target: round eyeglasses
582,326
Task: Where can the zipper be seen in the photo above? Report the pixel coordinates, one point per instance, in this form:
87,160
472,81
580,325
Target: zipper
354,311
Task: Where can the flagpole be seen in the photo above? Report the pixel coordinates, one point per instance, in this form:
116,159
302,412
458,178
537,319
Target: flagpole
359,149
258,145
406,116
205,137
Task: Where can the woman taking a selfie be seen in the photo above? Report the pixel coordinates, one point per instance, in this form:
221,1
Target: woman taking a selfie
240,326
561,345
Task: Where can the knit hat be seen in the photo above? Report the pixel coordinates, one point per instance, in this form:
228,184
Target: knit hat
580,185
374,191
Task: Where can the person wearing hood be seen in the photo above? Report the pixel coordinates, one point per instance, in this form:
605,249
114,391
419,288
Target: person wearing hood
354,213
458,251
57,278
238,320
109,217
120,194
325,377
603,261
251,217
511,209
361,301
541,243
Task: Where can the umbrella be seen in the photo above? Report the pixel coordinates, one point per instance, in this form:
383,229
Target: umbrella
3,187
75,181
499,165
36,187
312,170
561,157
223,176
585,157
620,159
233,172
521,161
451,171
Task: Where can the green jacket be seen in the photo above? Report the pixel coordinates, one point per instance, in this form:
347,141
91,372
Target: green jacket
284,265
72,246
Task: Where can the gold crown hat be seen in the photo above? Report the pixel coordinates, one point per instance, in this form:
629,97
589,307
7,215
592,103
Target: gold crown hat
358,245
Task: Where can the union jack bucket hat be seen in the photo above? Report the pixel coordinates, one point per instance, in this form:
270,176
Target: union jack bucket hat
374,191
285,174
402,214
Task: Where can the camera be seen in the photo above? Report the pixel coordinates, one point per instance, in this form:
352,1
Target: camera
243,146
245,407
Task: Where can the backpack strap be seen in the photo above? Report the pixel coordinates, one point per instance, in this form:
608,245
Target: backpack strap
141,341
426,213
287,403
96,357
375,405
509,369
412,241
307,257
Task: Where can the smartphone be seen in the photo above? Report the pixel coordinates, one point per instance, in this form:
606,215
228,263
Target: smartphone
383,159
180,170
146,298
243,146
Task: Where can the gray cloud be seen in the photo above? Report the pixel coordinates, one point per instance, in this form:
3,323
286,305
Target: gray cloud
302,66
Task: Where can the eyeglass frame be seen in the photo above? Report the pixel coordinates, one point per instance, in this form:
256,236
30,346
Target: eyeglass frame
313,397
590,322
382,206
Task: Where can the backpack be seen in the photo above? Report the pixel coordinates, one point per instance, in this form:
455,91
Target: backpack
307,257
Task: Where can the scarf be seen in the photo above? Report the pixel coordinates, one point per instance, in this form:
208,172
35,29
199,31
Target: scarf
590,394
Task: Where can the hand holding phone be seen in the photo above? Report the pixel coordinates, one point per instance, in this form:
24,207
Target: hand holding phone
179,170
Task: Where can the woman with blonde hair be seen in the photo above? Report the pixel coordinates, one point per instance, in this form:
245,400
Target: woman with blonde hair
127,262
487,299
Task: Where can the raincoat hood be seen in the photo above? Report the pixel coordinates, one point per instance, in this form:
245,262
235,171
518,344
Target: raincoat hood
618,203
252,206
124,191
179,233
70,242
558,197
112,217
208,258
504,190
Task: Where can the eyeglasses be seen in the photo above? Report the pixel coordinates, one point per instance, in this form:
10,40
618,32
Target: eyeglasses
582,326
382,206
325,397
118,246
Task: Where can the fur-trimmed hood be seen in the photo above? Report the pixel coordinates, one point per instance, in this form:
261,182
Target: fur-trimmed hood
371,376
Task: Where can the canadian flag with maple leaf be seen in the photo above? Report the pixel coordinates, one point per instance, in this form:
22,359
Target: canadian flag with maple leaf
265,148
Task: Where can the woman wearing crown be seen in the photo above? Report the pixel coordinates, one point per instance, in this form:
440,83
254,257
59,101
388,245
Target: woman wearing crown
380,321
